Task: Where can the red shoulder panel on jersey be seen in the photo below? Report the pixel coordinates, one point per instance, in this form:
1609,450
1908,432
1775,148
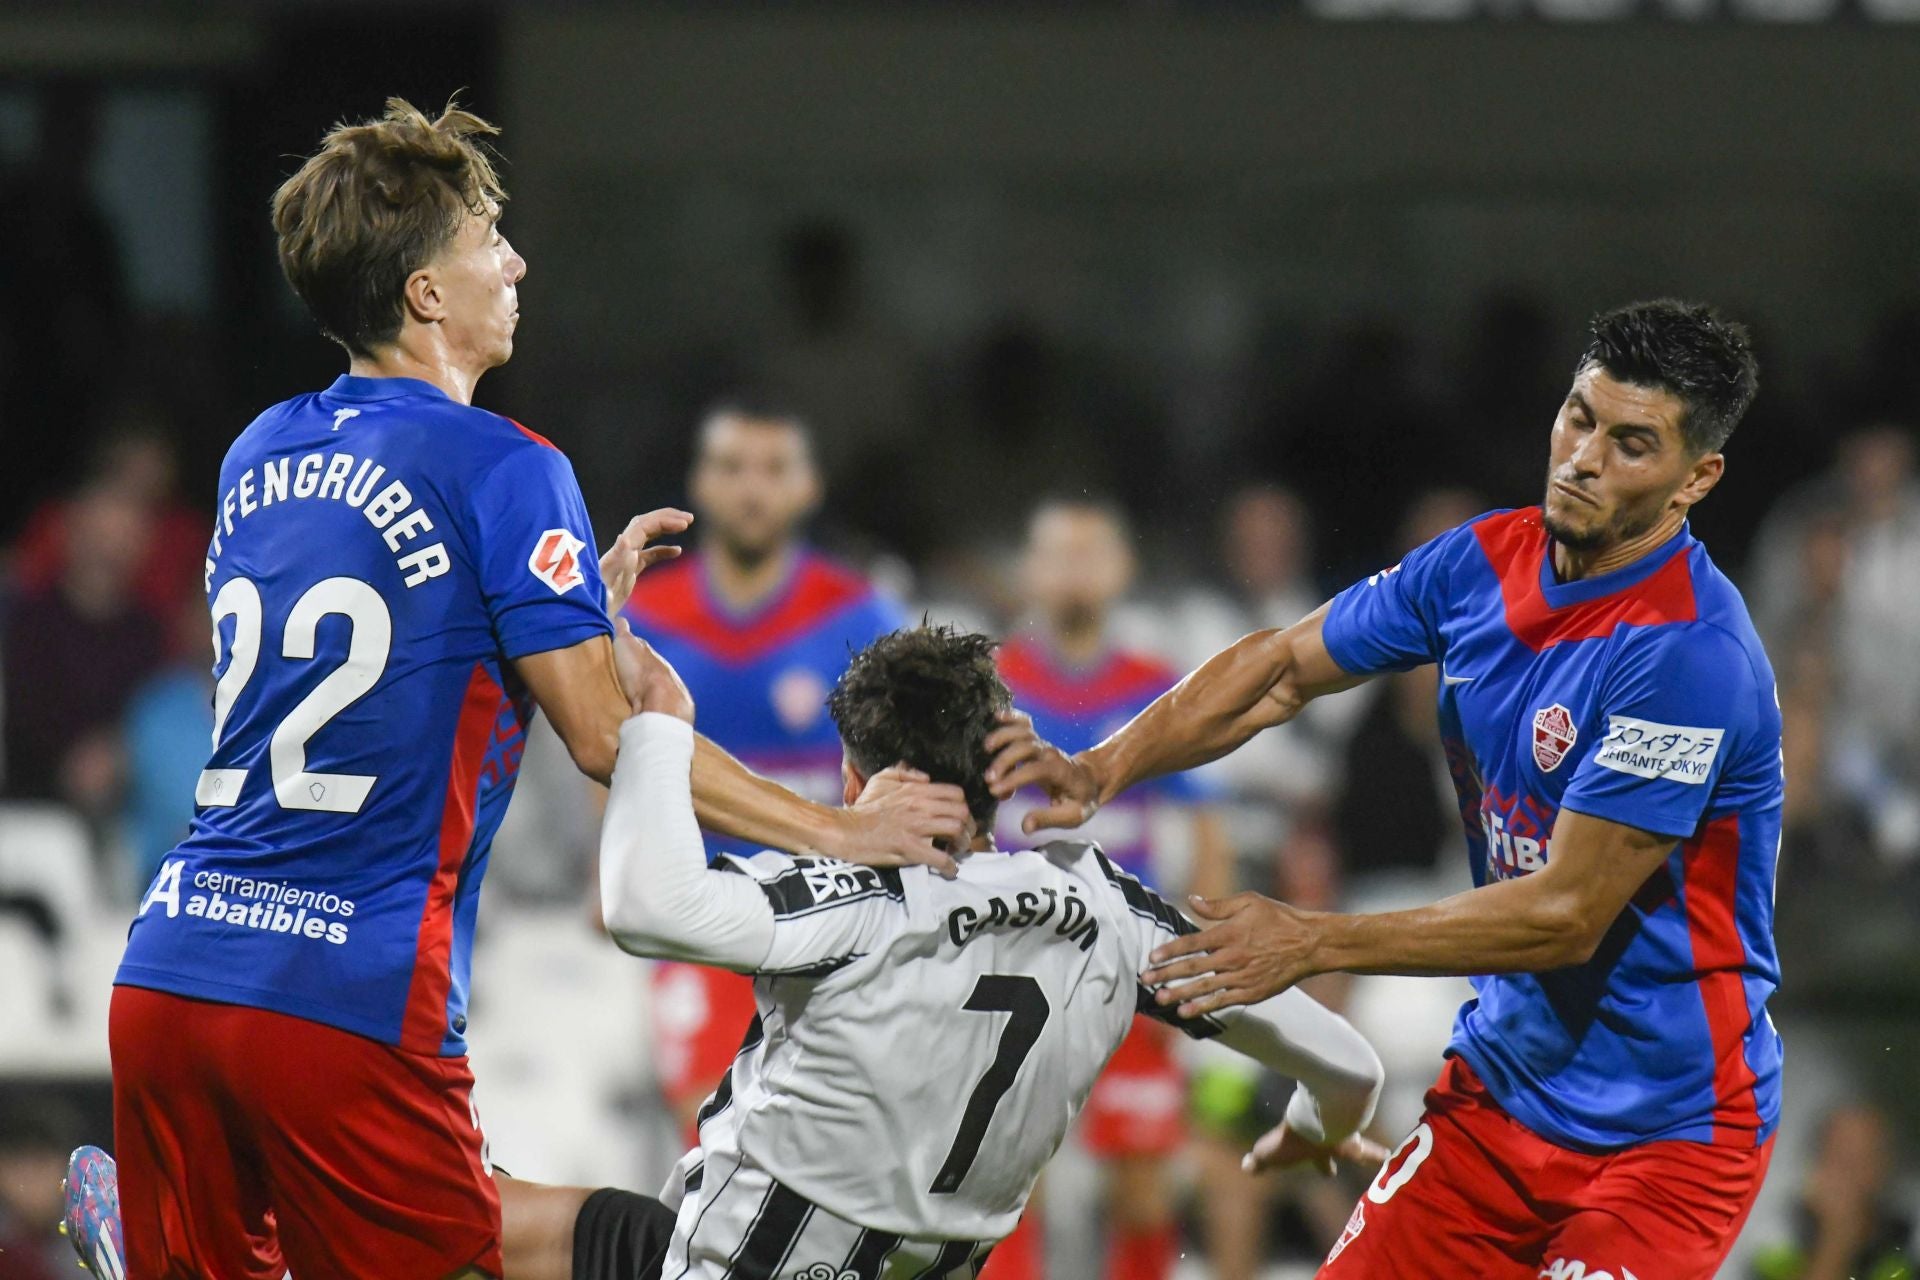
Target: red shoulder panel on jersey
1034,677
535,436
1515,544
675,599
424,1026
1711,866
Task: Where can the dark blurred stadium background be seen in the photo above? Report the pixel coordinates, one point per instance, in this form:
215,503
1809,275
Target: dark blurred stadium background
1194,256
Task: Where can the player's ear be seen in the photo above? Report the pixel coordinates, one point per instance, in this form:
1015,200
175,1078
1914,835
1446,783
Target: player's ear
1701,477
852,784
421,297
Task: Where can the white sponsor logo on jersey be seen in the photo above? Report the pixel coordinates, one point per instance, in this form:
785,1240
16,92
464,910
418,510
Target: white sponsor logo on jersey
1553,736
827,881
1648,749
556,560
1563,1269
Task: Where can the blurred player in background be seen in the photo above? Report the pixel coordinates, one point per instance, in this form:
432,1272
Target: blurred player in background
1068,675
396,579
760,625
1610,1096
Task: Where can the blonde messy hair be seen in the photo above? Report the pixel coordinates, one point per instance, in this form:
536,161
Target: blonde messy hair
376,203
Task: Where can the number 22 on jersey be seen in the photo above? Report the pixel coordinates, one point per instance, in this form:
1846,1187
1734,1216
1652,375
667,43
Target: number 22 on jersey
367,650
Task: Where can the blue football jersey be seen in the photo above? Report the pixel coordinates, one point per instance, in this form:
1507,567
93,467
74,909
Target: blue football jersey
380,554
1075,708
760,678
1641,696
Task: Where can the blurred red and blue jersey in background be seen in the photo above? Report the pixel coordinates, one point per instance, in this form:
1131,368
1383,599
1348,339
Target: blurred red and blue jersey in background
381,555
761,676
1076,707
1641,696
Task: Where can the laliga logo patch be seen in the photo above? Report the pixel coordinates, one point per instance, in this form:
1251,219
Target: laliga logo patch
1553,735
556,560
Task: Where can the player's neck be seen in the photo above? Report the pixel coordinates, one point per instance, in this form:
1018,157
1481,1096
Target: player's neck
743,582
1570,565
426,361
1079,644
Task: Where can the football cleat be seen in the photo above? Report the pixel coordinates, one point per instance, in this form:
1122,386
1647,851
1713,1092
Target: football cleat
92,1222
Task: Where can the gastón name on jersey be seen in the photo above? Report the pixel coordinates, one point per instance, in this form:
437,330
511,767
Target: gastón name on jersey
381,556
1024,973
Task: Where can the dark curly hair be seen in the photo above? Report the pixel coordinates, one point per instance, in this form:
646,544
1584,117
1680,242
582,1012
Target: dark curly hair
1686,349
928,697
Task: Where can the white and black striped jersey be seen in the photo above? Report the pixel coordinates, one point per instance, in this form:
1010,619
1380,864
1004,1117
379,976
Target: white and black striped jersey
922,1044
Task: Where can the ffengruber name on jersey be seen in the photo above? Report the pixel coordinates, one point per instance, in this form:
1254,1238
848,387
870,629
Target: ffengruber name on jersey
332,476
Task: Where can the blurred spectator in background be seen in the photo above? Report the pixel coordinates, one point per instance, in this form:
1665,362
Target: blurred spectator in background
135,462
1065,670
1834,571
761,627
66,300
1847,1226
1394,809
36,1132
74,650
169,729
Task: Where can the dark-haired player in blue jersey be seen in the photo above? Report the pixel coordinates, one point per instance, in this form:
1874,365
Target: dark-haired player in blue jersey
1610,1096
760,626
397,579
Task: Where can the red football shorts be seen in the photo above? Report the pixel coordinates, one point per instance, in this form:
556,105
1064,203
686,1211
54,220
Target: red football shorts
252,1143
1138,1106
700,1016
1472,1192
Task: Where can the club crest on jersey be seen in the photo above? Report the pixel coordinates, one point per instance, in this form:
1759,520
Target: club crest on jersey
556,560
799,699
1553,736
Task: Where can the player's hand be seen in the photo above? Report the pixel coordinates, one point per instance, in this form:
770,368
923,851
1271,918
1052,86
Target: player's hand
648,680
1022,758
1255,948
630,556
902,818
1283,1146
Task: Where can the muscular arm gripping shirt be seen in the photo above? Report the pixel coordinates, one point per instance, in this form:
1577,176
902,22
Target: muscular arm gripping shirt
761,676
1641,696
381,554
1077,707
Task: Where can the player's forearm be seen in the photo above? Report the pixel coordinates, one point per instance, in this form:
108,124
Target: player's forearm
1528,925
1239,691
733,800
1339,1073
657,894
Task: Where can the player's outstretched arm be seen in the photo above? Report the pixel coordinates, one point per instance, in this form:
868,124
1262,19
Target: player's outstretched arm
1259,681
1550,919
1339,1073
658,893
579,690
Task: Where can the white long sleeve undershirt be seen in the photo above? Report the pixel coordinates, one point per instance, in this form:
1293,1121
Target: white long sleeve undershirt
661,899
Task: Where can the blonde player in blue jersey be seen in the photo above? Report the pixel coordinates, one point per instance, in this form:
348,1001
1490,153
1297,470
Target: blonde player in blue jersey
1609,1098
397,580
